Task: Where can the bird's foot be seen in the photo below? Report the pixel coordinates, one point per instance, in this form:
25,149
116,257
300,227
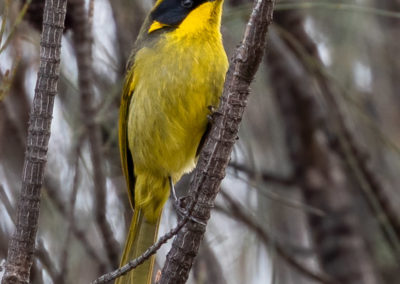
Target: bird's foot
213,113
180,204
172,188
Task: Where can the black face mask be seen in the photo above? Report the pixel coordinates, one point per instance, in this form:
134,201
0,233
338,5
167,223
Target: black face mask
173,12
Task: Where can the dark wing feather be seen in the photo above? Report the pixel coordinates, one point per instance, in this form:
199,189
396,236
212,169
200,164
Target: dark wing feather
126,157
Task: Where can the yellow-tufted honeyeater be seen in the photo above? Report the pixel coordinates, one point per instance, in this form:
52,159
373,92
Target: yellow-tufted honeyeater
176,72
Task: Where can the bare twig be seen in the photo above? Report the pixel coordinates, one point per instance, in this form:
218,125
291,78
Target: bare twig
215,154
340,247
91,12
40,252
344,143
14,27
207,267
151,250
44,257
124,21
71,220
289,202
22,243
83,48
4,18
264,176
241,216
79,234
142,258
7,203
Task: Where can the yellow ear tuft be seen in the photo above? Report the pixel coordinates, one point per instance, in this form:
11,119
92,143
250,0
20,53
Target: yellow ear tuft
156,26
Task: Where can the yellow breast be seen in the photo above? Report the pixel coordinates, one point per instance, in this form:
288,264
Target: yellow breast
175,81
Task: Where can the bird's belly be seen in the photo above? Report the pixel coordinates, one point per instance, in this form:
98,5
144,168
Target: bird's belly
169,106
166,128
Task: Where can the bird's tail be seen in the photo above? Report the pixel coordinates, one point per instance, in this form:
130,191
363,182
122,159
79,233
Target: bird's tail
141,236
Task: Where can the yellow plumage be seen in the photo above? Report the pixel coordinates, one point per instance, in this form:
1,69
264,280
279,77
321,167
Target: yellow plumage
177,72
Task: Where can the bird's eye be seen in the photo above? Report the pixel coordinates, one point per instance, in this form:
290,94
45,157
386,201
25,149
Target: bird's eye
187,3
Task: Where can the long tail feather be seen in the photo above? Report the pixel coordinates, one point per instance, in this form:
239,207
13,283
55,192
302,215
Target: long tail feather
141,236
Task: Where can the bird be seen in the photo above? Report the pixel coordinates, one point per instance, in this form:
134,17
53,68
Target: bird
174,80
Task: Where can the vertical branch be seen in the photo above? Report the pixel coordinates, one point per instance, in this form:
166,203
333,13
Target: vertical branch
216,152
22,243
83,47
127,28
7,203
353,154
283,250
340,247
80,235
207,267
62,275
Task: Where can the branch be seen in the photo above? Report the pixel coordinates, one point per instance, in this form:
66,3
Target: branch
248,221
142,258
44,257
323,181
207,267
40,252
62,275
22,243
214,157
83,47
151,250
79,234
7,203
344,143
265,176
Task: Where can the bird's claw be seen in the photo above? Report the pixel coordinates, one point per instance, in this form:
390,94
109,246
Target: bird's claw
180,206
213,113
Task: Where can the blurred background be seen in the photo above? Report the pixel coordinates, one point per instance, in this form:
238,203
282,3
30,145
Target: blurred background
312,191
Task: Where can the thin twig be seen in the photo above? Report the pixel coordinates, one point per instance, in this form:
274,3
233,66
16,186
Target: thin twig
91,13
16,24
323,181
79,234
7,203
71,220
44,257
265,176
83,47
282,252
344,143
295,204
142,258
40,252
151,250
4,18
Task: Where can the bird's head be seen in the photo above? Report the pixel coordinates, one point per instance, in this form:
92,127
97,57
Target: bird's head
187,15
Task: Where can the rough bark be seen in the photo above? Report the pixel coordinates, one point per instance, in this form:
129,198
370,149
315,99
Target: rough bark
207,267
338,243
215,154
22,243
